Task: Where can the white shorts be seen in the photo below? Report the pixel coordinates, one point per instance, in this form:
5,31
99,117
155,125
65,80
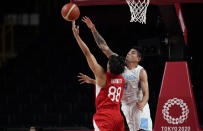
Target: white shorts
137,119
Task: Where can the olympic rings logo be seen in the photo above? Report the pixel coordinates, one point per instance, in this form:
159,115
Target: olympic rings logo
167,106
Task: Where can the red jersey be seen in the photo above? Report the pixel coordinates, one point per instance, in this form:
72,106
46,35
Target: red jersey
108,100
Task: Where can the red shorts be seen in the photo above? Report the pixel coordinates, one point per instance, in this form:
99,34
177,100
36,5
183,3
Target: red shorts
108,121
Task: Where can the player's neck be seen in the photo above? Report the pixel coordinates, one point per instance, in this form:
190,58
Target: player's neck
132,65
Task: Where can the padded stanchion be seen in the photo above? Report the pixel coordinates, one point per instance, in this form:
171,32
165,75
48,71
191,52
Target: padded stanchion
176,109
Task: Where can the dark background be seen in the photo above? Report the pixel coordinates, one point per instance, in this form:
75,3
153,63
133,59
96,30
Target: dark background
38,75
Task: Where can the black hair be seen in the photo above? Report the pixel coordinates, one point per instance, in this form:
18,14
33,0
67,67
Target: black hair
139,50
116,64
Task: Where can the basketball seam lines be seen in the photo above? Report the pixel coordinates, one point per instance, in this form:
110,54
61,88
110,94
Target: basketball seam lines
72,7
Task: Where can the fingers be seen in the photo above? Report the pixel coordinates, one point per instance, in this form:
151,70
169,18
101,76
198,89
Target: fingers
82,82
80,75
77,28
74,26
86,19
83,19
82,78
139,106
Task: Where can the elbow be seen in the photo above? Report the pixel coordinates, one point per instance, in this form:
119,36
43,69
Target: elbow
87,53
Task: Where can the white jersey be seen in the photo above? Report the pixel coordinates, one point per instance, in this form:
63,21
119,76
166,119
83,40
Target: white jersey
132,91
135,118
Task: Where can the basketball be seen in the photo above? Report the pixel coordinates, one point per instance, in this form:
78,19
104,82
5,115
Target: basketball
70,12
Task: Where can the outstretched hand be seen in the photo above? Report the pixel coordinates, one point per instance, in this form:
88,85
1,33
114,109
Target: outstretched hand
88,22
84,79
75,28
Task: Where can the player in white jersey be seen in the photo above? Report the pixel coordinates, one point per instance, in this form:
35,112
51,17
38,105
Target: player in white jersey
134,107
136,94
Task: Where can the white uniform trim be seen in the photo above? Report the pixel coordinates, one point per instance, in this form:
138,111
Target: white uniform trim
95,126
98,88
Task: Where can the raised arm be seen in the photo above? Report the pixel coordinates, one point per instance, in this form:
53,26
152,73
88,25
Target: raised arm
92,62
98,38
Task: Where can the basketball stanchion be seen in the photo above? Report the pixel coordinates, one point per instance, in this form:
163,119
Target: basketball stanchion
176,109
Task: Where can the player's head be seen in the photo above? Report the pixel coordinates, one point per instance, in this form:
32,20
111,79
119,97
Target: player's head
32,128
116,64
134,55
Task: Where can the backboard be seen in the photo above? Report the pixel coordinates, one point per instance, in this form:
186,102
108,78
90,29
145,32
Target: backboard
117,2
138,8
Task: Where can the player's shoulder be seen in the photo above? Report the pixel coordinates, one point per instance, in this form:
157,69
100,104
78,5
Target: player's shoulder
143,73
140,67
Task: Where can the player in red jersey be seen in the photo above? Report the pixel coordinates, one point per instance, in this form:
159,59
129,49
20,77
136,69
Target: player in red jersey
109,88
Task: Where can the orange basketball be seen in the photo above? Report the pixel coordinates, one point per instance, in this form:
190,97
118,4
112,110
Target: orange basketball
70,12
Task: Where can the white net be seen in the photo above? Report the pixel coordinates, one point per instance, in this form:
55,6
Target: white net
138,10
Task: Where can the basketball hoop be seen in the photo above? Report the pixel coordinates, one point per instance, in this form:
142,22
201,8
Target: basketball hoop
138,9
